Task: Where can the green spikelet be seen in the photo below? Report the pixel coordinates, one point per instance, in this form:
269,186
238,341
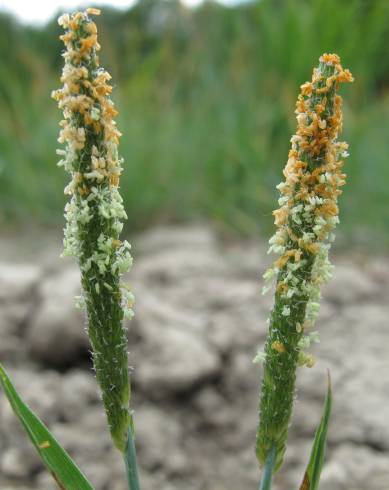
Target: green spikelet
95,213
307,215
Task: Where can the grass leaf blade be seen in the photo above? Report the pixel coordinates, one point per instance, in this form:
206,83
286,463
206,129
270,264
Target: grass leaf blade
315,465
58,462
131,464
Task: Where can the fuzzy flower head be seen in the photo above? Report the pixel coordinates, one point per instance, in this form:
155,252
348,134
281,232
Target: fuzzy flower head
314,176
95,212
91,156
87,107
305,221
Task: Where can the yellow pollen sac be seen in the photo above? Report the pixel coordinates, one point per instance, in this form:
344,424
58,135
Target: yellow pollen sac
297,255
93,11
91,28
281,287
84,190
109,111
68,36
278,346
87,43
96,127
306,88
345,76
312,248
114,180
73,24
88,119
103,89
280,263
280,216
330,58
319,108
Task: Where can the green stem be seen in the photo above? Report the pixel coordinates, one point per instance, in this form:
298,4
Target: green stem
131,464
265,483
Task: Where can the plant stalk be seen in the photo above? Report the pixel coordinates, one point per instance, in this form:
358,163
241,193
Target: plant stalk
267,474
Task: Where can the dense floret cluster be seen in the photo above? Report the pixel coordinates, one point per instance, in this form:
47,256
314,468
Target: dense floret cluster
305,221
308,210
95,212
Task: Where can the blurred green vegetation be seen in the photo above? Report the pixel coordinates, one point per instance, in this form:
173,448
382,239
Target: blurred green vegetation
206,100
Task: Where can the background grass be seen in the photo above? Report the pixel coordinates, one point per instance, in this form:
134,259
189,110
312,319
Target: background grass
206,100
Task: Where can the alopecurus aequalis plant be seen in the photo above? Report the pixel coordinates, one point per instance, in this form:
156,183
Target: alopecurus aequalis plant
307,215
95,212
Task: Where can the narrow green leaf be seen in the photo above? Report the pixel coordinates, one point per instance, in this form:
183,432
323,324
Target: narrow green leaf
56,459
315,465
268,468
131,464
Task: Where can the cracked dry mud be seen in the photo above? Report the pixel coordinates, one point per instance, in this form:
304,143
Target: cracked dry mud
200,318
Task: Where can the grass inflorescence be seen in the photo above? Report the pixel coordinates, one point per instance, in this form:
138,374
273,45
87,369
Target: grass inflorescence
305,221
95,212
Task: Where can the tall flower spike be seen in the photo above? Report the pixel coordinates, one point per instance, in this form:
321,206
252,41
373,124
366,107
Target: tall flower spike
95,212
307,215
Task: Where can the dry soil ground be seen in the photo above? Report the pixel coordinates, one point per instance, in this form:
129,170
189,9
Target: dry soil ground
200,319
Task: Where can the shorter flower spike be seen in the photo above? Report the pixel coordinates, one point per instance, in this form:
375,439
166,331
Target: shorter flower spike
305,221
